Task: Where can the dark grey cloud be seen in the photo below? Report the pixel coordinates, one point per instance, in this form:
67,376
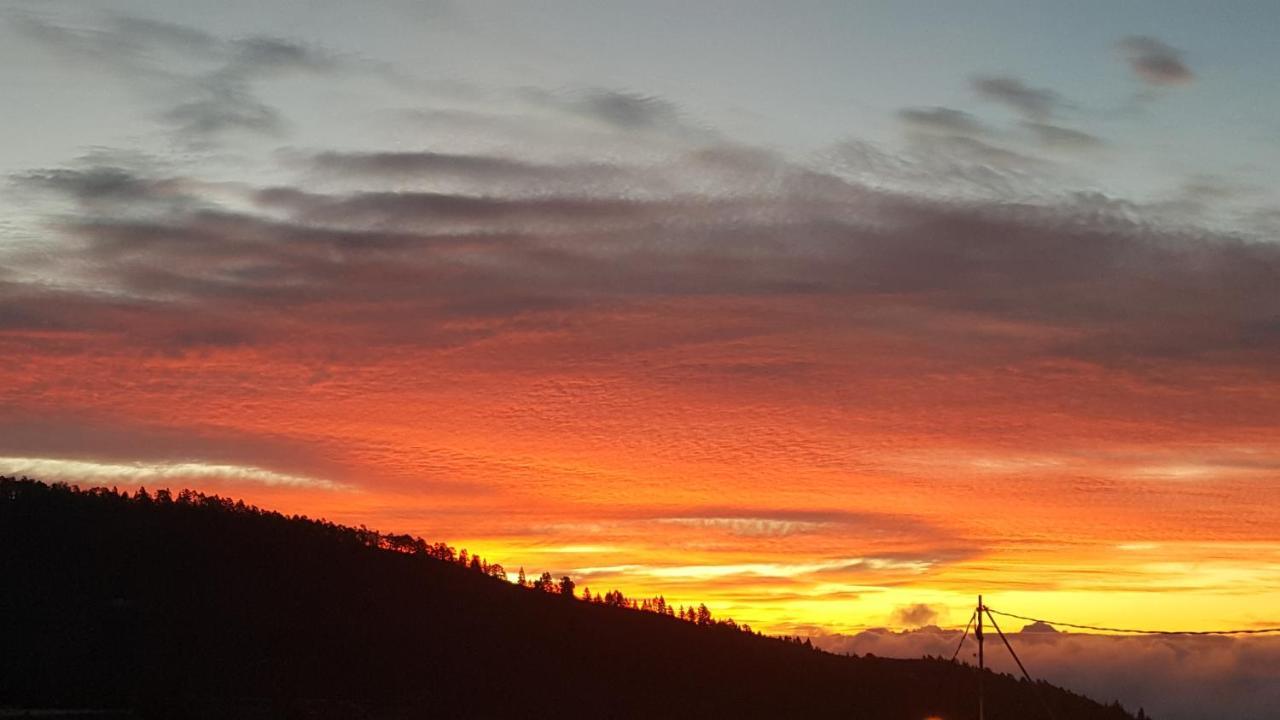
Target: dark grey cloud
98,183
1031,102
484,170
619,111
225,98
160,327
120,43
628,111
259,53
917,615
981,153
941,119
960,133
1064,138
1092,268
206,84
947,131
410,210
1155,62
950,150
425,163
221,104
940,163
139,32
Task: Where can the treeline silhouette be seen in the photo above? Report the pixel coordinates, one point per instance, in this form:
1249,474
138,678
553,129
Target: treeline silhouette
193,605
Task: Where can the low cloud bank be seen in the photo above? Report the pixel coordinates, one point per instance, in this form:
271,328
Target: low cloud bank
1170,677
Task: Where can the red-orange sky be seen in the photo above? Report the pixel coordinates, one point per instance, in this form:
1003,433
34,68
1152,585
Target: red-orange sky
583,331
785,459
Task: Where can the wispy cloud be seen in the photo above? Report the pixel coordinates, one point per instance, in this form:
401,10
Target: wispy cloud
763,570
1057,136
1032,102
747,526
205,85
88,472
942,119
1155,62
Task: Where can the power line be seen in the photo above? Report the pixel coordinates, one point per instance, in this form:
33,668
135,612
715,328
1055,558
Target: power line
991,613
975,622
1056,623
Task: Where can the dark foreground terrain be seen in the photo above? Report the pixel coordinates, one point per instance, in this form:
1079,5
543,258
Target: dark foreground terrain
194,606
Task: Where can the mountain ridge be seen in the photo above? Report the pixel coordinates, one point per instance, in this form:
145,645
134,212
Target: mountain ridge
198,606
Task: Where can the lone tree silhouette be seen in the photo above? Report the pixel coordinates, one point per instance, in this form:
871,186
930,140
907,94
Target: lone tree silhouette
566,587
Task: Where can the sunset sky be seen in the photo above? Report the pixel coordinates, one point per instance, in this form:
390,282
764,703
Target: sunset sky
831,315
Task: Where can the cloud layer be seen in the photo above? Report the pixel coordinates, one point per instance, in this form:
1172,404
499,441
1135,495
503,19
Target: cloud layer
1171,678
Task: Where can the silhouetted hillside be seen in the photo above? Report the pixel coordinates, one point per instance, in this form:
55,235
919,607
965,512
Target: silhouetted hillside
197,606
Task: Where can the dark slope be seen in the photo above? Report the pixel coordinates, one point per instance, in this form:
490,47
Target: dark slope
202,608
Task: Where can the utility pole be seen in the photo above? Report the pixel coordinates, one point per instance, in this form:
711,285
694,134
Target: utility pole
981,661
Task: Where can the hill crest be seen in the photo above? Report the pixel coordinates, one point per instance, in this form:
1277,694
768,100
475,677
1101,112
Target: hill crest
198,606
